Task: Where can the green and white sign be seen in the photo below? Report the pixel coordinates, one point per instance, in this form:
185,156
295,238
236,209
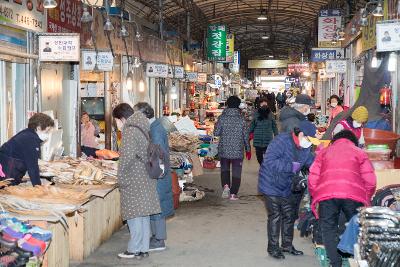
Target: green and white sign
216,42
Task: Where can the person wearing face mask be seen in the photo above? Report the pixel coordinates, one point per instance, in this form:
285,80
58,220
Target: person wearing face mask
291,116
354,124
22,152
164,184
139,198
341,179
89,144
286,155
335,107
263,129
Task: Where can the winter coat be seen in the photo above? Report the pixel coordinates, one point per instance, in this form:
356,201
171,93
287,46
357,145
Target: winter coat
334,112
164,185
341,171
20,155
275,176
290,118
232,130
139,196
264,130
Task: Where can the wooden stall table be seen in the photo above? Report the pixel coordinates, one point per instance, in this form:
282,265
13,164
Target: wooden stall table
387,177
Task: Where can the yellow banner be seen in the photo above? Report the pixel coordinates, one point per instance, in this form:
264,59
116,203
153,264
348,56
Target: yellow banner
230,47
369,33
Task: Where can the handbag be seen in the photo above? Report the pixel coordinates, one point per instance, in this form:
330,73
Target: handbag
299,181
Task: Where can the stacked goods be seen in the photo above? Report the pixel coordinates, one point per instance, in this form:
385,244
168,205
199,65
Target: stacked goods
183,142
76,172
22,244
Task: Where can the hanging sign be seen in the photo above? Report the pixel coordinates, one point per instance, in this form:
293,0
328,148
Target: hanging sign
297,68
105,60
59,47
322,54
66,17
191,77
156,70
329,21
202,77
369,33
235,66
218,81
25,14
388,36
216,42
179,72
336,66
230,48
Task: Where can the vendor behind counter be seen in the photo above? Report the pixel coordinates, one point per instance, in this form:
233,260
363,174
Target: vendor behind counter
21,153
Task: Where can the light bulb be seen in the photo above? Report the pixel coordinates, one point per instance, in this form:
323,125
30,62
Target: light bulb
86,17
392,62
49,4
129,81
174,96
124,32
374,62
108,26
141,86
138,36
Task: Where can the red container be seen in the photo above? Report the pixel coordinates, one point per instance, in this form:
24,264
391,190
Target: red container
397,163
176,190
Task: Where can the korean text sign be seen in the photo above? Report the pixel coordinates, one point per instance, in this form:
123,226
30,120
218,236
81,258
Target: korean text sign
25,14
216,42
66,17
104,60
388,36
322,54
328,23
59,48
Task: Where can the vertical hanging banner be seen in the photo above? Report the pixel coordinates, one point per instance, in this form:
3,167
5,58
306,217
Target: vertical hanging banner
369,33
329,21
66,17
216,42
230,48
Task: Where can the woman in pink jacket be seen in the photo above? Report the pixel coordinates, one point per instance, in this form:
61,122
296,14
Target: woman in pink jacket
341,179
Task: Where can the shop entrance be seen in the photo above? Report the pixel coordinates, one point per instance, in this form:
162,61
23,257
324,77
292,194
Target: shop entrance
13,88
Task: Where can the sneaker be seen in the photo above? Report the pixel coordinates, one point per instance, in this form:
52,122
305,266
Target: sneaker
226,192
157,245
144,254
129,255
234,197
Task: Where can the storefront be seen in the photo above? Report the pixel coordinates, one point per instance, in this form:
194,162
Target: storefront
18,65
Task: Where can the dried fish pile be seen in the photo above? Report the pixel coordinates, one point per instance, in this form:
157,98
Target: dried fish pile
183,142
47,194
84,172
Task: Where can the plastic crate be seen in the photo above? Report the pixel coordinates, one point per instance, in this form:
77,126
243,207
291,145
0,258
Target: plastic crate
323,260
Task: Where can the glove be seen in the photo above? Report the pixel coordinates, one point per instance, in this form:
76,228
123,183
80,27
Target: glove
296,166
2,175
251,136
248,155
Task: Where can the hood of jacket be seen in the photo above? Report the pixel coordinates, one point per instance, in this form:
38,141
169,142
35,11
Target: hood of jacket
140,120
289,112
231,112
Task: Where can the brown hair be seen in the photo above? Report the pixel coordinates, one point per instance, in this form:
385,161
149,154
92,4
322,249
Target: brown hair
40,120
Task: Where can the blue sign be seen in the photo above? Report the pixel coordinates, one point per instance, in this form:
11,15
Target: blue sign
322,54
329,13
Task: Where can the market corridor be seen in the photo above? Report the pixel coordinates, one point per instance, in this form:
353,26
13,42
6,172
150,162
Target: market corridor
211,232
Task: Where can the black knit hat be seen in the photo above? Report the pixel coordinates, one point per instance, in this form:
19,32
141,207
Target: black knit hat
233,102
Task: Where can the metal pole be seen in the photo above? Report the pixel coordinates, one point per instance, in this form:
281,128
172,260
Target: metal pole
107,100
188,30
160,3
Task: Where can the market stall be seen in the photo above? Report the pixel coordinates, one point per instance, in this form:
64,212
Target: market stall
79,206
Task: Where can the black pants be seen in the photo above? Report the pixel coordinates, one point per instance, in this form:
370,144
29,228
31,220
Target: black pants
89,151
295,199
236,173
280,219
329,212
260,151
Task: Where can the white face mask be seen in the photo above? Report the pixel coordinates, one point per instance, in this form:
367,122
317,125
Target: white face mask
307,112
120,124
304,143
356,124
333,105
44,136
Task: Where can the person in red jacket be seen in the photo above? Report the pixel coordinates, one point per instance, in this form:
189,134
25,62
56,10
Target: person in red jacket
341,179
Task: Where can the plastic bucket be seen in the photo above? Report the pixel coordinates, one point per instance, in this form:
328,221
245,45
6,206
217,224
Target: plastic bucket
380,137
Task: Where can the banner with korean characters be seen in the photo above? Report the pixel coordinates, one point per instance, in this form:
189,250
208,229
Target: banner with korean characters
216,42
156,70
329,21
105,60
368,36
201,77
392,9
179,72
24,14
230,48
66,17
322,54
191,77
57,47
335,66
388,36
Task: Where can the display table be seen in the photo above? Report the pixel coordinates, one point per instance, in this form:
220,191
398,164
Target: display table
86,229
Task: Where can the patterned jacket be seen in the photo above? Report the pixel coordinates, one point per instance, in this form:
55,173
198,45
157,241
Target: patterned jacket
234,138
139,196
